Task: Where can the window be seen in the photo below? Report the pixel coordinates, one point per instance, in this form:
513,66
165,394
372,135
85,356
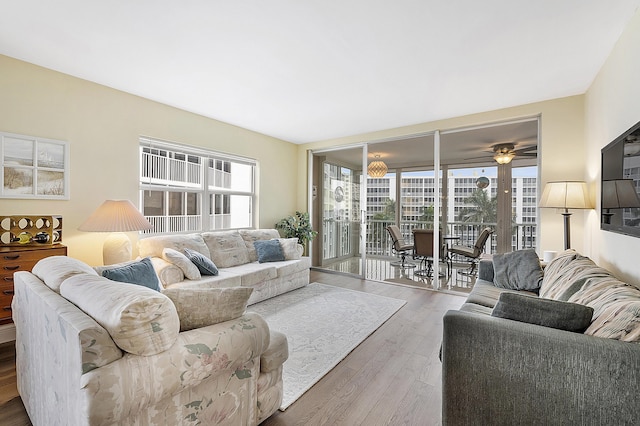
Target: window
33,167
189,189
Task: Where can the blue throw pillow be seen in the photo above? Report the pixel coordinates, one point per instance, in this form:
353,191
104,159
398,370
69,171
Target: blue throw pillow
141,273
268,251
204,264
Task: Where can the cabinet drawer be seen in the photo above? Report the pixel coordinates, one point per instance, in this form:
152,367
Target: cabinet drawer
6,295
11,262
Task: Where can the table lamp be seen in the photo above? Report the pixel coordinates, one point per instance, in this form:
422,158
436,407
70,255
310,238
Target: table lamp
117,217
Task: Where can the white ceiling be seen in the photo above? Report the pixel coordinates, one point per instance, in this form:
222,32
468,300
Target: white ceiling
307,70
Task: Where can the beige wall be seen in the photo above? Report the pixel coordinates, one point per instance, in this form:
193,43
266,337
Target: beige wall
612,107
562,154
102,127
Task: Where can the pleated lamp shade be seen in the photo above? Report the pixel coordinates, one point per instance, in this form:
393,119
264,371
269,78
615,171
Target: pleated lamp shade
116,216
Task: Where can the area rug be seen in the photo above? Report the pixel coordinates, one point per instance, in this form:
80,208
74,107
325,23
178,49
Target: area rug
323,324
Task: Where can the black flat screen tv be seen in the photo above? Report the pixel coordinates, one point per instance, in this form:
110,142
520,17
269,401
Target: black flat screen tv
621,162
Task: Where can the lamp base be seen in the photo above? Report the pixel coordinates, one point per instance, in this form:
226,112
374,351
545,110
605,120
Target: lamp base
567,229
116,249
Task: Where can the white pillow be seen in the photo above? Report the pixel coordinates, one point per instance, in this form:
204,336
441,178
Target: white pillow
189,269
140,321
290,248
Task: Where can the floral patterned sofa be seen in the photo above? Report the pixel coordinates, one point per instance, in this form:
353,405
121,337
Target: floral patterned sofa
100,352
234,255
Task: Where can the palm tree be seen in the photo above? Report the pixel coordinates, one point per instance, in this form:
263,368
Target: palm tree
480,208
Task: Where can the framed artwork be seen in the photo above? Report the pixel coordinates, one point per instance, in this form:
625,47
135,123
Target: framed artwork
33,167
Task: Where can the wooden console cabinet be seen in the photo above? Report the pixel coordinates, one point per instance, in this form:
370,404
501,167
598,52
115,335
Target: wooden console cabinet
20,258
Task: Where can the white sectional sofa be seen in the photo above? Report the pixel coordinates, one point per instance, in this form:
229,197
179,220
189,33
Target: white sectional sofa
91,351
235,256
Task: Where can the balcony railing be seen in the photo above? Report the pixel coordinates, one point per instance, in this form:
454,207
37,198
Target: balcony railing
162,224
341,238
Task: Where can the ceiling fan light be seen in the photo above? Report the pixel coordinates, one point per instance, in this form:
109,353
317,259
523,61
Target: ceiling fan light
503,157
377,168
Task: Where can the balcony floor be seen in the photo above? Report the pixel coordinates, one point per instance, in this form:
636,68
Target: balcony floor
381,269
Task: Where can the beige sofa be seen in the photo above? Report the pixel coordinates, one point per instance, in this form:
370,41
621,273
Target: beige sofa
234,254
91,351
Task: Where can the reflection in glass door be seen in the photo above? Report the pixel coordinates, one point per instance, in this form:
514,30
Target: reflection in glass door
340,223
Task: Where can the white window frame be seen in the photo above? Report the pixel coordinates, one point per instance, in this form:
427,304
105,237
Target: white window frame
197,177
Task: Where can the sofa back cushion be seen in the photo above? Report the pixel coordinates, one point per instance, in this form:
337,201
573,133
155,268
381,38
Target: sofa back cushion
291,248
227,248
153,246
251,235
54,270
140,321
565,274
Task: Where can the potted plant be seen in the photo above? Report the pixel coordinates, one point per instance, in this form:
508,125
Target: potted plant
298,226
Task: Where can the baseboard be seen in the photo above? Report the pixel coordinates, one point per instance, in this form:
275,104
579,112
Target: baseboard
7,333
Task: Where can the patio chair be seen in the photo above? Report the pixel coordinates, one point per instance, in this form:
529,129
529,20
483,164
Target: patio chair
423,250
399,247
473,253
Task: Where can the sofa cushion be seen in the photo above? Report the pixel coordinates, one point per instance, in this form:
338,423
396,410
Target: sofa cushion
486,294
269,251
518,270
226,248
189,269
251,235
204,264
475,309
291,249
140,321
560,277
153,246
290,267
223,279
545,312
620,320
254,273
200,307
54,270
138,272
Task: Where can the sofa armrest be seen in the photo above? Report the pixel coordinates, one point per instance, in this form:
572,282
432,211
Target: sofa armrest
485,270
168,273
276,354
230,349
503,372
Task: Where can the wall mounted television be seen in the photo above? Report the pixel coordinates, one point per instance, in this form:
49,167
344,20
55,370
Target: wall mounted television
620,189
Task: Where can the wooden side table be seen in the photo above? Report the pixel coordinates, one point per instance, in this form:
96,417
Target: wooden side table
20,258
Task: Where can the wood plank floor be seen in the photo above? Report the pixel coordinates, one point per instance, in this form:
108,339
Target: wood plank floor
392,378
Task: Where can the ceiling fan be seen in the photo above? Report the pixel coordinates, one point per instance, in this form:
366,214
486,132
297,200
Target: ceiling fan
503,153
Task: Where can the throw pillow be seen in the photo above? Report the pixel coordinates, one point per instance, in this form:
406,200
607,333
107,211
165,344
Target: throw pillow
140,321
269,251
545,312
189,268
290,248
620,320
139,272
200,307
203,263
518,270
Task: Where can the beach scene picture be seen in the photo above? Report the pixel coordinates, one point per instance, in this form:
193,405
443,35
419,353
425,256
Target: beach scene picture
32,167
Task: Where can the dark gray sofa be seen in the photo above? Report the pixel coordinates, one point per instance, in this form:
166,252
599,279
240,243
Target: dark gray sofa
498,371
